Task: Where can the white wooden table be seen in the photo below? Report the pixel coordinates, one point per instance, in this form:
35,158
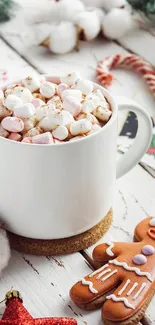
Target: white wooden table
44,282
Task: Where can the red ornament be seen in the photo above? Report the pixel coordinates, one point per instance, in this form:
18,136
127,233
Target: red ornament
16,314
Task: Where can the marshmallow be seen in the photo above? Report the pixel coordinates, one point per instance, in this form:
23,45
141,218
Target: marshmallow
55,100
70,79
88,116
39,96
44,111
80,127
72,105
1,95
102,114
3,132
47,89
30,123
15,136
60,133
55,119
25,111
99,94
36,102
76,93
22,92
45,138
12,124
12,101
61,88
95,127
4,112
27,140
35,131
57,141
85,86
32,83
77,137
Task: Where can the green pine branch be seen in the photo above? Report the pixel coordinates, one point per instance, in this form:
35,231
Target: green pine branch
145,6
6,9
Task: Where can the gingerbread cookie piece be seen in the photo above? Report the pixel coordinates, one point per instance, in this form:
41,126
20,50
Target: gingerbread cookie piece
125,281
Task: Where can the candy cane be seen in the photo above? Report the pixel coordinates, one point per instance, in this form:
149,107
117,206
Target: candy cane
129,61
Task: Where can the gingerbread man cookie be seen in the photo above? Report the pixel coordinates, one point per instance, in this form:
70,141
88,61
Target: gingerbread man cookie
125,281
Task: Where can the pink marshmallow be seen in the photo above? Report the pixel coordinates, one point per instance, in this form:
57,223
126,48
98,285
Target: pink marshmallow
72,105
44,138
36,102
61,88
15,136
13,124
27,140
57,141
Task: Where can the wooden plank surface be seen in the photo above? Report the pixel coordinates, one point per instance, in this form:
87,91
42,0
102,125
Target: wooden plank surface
133,201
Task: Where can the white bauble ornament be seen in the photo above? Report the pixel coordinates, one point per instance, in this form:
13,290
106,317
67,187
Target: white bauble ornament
62,38
88,23
67,9
116,23
110,4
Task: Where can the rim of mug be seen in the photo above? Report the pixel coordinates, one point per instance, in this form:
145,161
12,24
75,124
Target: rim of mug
107,94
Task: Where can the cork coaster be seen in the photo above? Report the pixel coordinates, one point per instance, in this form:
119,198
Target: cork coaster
61,246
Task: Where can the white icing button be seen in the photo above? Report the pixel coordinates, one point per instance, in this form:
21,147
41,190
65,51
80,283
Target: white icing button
152,222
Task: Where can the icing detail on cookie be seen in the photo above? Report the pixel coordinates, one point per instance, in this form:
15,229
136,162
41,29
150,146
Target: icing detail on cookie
98,271
151,233
140,259
90,285
109,249
124,287
135,285
121,299
102,273
148,250
131,268
109,275
139,291
152,222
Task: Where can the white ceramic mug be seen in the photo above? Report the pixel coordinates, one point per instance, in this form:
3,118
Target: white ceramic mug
61,190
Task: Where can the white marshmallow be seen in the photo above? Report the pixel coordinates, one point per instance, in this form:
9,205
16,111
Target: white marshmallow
102,113
60,133
72,92
47,89
85,86
78,137
3,132
45,138
4,112
32,83
95,128
72,105
12,124
80,127
25,111
70,79
35,131
12,101
22,92
95,99
55,119
36,102
89,117
61,88
55,100
1,95
30,123
99,94
44,111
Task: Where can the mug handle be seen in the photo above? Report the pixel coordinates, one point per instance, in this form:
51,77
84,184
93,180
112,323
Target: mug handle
142,139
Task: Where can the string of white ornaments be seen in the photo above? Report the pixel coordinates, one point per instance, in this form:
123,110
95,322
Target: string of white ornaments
66,22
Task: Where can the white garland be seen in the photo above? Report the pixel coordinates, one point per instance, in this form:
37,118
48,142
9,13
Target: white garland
60,25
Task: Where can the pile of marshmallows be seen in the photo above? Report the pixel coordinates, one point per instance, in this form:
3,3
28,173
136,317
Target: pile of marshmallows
41,112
